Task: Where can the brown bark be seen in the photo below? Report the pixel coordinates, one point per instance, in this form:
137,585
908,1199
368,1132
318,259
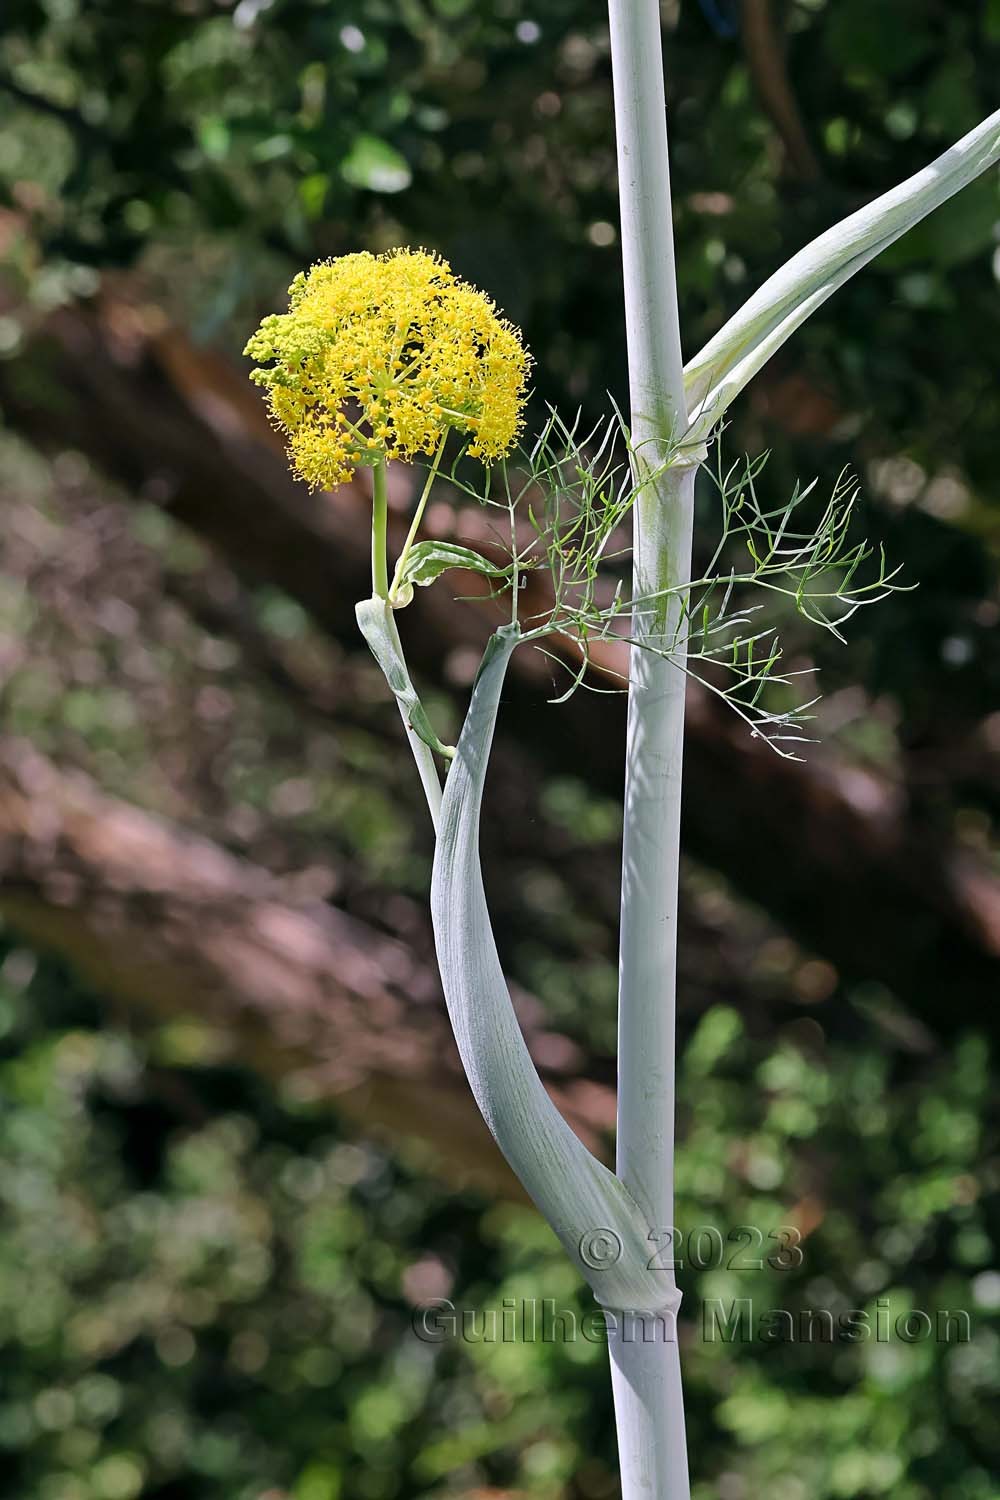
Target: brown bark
765,54
831,851
175,929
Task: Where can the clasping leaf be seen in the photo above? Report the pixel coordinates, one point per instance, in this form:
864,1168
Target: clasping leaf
428,560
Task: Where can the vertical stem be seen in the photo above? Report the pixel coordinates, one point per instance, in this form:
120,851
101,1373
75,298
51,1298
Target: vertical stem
646,1375
380,517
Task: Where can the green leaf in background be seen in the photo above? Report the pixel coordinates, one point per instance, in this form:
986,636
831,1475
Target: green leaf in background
373,164
312,194
877,39
428,560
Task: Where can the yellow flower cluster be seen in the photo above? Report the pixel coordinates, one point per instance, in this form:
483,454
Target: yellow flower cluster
379,356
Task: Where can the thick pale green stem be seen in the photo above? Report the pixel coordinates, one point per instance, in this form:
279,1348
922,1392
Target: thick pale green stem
646,1375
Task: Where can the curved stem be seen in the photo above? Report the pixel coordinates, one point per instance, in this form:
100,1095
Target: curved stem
422,754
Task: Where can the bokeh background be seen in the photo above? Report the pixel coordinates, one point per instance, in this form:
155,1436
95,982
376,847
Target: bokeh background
235,1147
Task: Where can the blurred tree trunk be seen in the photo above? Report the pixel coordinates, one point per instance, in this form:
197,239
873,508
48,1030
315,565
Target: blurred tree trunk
175,929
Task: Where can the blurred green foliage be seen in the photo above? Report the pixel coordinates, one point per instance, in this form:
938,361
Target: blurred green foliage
207,1289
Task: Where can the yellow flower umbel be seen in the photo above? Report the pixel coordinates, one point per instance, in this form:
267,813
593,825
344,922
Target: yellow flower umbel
380,357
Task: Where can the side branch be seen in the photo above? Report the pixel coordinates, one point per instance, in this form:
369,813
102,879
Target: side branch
728,361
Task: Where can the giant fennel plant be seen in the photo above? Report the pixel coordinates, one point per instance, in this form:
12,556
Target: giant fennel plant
393,357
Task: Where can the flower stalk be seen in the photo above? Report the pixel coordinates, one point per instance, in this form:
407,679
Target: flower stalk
380,521
418,516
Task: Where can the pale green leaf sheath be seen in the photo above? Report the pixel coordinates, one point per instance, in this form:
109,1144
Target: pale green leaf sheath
729,360
590,1210
377,625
